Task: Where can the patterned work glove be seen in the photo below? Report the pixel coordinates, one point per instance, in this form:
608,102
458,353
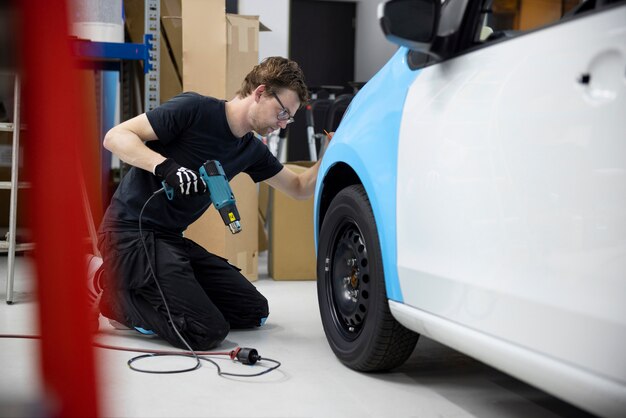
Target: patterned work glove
184,181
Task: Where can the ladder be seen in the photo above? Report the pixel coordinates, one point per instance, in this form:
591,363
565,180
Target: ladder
10,245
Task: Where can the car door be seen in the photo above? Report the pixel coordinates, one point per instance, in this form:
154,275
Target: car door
511,190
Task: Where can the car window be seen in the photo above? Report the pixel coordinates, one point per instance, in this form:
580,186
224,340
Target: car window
508,18
452,12
496,20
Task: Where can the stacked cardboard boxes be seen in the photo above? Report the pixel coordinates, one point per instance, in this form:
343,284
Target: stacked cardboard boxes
218,50
205,50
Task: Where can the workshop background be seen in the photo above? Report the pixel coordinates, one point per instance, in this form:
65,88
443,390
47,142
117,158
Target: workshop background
333,41
208,46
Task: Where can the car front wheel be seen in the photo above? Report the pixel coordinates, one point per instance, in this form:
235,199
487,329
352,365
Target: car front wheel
351,288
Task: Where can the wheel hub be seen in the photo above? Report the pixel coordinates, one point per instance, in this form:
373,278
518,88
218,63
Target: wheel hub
349,280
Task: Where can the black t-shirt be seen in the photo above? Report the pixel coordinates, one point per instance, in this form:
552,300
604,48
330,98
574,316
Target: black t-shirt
191,129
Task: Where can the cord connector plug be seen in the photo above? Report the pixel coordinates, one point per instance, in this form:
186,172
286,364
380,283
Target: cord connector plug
245,355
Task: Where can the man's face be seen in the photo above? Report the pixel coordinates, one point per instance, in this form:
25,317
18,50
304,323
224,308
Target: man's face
276,110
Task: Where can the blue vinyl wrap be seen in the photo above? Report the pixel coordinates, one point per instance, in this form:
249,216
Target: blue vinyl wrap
367,141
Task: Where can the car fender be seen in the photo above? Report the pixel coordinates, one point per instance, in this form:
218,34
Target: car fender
367,141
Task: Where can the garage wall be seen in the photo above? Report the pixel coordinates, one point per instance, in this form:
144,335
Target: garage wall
372,49
275,15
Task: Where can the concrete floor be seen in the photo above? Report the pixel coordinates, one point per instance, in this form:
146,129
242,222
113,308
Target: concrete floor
435,382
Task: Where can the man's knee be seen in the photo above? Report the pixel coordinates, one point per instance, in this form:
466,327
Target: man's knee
208,334
254,314
264,310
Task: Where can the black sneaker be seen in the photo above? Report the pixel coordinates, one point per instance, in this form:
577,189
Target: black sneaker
94,289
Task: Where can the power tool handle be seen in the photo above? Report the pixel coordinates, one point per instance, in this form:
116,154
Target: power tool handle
169,190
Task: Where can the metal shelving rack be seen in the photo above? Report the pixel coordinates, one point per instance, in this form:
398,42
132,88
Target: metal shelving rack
152,30
102,55
10,245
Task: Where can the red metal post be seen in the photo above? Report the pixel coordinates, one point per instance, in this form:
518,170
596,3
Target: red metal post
57,117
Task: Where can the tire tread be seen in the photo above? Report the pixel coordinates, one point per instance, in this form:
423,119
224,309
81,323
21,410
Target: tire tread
393,343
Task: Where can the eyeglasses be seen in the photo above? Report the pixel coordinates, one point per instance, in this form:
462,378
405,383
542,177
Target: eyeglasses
284,114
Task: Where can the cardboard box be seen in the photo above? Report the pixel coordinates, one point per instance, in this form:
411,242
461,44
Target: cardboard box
219,49
291,237
239,249
537,13
170,83
242,50
263,239
264,199
172,30
264,195
134,19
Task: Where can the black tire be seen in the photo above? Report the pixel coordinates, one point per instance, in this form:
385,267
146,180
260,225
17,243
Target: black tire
351,288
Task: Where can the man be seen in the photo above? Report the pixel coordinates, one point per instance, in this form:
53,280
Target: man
205,295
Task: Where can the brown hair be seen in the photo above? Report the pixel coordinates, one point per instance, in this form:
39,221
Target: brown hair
276,73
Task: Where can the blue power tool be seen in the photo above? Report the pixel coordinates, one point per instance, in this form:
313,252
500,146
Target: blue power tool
221,194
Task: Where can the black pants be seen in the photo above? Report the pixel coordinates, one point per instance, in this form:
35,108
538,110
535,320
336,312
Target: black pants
205,294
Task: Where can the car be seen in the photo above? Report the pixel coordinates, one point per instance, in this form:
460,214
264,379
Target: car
475,193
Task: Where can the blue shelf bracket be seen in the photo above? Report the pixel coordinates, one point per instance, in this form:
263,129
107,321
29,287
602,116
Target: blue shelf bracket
108,54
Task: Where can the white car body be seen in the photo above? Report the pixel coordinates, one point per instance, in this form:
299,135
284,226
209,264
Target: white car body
496,181
511,214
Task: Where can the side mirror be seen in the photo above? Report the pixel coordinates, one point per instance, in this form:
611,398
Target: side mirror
410,23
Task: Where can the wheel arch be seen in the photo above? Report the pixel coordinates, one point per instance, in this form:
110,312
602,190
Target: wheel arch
364,150
339,176
343,174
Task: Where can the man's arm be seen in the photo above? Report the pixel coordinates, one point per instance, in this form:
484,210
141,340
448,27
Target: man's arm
126,141
298,186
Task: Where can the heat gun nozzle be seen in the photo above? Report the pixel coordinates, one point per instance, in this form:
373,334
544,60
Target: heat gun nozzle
235,227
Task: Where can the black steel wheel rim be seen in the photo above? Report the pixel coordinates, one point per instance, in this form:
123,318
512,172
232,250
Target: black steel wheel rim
349,279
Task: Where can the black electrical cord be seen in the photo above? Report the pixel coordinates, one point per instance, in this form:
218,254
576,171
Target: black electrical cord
167,308
194,355
191,353
243,355
155,353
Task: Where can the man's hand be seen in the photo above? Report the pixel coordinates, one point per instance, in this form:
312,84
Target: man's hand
184,181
